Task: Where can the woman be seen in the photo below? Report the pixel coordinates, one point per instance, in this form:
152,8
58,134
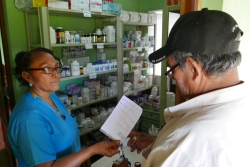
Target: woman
41,132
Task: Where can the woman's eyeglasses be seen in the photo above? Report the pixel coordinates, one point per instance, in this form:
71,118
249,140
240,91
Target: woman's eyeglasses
48,70
169,73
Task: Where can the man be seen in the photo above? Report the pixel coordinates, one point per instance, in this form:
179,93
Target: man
210,129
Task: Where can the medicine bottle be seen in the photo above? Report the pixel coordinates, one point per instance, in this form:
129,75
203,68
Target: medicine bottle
81,70
67,37
59,35
75,70
52,36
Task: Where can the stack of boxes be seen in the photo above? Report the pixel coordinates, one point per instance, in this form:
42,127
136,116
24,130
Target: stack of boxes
105,6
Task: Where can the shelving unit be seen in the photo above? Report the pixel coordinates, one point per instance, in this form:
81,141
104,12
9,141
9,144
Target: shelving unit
138,26
86,75
38,20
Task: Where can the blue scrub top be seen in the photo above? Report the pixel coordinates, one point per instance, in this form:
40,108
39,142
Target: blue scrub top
37,134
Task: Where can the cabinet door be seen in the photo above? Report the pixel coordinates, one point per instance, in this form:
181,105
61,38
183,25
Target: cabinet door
151,115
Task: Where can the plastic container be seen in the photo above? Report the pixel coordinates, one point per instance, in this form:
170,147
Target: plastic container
114,88
67,37
110,32
103,116
85,94
75,69
77,38
154,91
52,35
75,99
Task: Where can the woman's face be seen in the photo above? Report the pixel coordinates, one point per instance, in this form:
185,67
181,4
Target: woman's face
42,82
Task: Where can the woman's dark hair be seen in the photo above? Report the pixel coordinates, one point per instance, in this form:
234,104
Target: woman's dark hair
23,61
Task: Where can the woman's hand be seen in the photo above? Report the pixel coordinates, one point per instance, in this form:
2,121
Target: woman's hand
107,148
139,141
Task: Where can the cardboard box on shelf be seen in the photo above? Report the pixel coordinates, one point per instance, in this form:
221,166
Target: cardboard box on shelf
108,1
95,5
112,8
79,5
59,4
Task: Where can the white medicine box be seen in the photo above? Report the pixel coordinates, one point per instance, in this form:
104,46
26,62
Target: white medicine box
80,5
95,5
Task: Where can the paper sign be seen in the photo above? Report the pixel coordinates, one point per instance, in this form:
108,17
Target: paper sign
88,46
100,45
139,49
86,14
122,120
92,76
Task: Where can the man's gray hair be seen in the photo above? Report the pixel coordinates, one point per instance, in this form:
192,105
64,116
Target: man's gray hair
214,65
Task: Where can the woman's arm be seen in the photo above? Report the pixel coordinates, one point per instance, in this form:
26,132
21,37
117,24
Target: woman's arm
104,148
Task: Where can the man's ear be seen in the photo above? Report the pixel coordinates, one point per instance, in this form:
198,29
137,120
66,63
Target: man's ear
195,68
26,76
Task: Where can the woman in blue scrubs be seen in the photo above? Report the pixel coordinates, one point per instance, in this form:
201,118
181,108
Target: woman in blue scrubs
41,132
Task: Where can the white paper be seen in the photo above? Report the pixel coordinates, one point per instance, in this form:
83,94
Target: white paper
122,120
92,76
100,45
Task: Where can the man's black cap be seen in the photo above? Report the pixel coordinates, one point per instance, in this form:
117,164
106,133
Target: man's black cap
201,32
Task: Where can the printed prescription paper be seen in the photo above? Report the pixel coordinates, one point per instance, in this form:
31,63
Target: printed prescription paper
122,120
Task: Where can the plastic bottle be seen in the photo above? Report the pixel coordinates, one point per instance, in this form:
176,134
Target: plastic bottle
67,37
68,106
103,116
52,35
77,38
85,94
114,88
110,31
75,69
75,98
154,91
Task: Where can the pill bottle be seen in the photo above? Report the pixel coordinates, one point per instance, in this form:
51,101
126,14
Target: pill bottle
75,70
67,37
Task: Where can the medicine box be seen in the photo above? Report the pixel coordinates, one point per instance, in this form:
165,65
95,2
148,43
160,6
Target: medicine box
95,5
59,4
79,5
112,8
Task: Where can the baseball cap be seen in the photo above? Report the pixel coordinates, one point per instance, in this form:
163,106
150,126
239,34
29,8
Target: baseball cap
201,32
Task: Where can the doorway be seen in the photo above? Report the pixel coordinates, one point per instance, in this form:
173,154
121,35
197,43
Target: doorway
7,101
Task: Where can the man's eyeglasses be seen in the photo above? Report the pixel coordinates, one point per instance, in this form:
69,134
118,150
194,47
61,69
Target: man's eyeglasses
48,70
169,73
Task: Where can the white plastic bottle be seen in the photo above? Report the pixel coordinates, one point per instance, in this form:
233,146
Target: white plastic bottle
85,94
77,38
67,37
75,69
52,35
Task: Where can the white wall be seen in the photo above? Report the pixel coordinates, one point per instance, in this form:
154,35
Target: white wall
240,11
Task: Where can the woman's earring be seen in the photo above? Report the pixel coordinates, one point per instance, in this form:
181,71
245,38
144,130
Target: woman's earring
30,84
